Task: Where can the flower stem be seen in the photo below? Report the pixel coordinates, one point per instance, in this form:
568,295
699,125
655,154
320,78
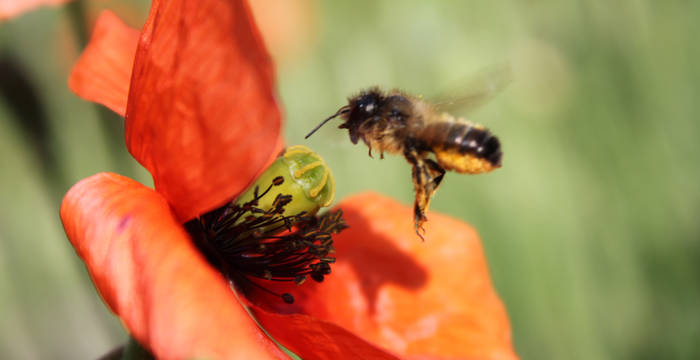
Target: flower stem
76,12
132,350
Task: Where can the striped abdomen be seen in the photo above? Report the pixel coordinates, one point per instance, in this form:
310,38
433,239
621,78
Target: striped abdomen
462,146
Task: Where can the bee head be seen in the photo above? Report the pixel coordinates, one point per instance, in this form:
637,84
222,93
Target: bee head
363,109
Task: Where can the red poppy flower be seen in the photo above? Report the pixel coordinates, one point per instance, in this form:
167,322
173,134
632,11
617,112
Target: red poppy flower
197,90
12,8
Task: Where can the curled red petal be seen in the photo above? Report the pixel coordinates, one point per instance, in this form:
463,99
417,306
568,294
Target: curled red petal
12,8
103,71
149,273
312,338
202,115
418,299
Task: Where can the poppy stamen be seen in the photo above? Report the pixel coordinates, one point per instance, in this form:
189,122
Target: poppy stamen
245,241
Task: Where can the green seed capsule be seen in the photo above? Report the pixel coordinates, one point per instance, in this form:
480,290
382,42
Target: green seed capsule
299,173
271,232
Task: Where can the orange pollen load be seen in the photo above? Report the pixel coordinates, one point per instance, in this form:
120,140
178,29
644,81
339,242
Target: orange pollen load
463,163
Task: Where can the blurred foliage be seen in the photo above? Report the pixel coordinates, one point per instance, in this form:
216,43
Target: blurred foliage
590,227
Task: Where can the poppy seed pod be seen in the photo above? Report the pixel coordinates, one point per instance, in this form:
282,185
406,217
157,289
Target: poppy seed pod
302,174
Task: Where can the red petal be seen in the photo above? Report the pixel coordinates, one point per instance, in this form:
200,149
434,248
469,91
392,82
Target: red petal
103,72
149,273
12,8
202,115
316,339
415,298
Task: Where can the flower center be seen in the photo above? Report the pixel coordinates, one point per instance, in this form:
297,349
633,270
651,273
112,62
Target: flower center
266,235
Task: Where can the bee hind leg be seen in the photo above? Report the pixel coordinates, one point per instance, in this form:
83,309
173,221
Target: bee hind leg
433,174
437,173
427,176
419,219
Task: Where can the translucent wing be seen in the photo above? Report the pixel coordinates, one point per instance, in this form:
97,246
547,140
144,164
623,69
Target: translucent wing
475,91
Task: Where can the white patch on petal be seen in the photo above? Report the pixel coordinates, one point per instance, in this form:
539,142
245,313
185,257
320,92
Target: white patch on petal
424,328
357,302
393,339
384,307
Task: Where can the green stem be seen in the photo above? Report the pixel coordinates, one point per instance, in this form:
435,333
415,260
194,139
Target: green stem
134,351
76,13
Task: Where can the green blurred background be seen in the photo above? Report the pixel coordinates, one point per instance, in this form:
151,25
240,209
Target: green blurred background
590,228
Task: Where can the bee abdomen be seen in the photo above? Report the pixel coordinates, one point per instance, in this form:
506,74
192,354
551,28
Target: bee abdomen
464,147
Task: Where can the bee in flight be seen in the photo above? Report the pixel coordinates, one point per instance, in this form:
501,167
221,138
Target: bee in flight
398,123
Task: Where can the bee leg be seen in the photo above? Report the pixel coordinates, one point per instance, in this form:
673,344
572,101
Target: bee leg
418,220
438,172
432,174
422,183
381,155
370,153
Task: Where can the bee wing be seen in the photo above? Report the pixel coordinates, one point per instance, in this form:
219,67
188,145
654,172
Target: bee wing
475,91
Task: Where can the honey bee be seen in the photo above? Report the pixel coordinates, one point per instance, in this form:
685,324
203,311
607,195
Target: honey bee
398,123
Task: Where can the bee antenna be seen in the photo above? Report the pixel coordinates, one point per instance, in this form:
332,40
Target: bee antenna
343,110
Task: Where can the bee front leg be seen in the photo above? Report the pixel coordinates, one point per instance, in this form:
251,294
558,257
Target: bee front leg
369,146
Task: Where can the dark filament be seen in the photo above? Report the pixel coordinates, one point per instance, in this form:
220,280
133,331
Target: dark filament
245,242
